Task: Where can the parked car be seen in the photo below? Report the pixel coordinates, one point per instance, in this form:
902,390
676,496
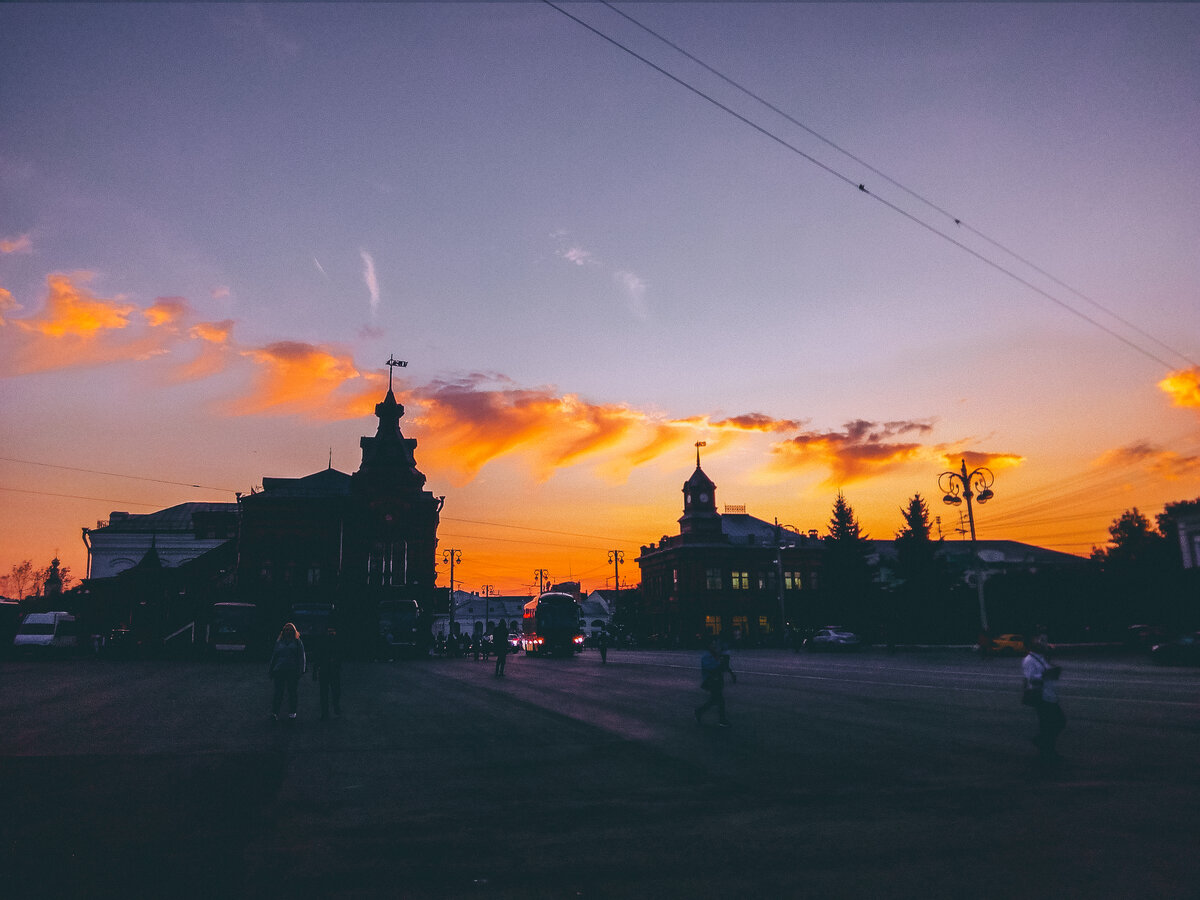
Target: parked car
1009,645
1182,651
48,631
833,639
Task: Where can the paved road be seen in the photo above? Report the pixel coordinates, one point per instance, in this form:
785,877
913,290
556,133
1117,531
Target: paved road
908,775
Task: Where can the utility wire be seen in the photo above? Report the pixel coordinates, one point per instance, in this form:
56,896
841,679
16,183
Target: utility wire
863,189
76,497
914,194
204,487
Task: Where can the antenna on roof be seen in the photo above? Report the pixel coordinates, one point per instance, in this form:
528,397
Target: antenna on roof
331,457
392,363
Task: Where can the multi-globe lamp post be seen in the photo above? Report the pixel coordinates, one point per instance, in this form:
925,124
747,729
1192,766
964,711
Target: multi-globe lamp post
976,485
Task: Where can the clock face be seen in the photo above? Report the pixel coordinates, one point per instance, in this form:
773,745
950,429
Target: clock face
704,498
688,498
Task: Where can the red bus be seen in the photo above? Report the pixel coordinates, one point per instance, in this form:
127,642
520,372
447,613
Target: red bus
550,625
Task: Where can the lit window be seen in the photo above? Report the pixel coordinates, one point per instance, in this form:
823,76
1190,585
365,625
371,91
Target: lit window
741,581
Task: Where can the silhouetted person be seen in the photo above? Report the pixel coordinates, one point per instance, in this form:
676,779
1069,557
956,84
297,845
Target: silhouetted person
327,671
285,668
603,642
712,679
1042,679
500,645
727,660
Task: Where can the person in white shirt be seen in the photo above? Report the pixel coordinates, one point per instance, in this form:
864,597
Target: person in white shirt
1041,677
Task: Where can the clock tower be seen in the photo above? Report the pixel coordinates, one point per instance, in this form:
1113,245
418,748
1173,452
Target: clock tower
700,514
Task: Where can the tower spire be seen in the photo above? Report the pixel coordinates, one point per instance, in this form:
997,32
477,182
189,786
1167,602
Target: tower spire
699,444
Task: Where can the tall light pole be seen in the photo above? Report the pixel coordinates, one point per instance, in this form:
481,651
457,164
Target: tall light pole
487,592
616,557
452,556
975,484
780,546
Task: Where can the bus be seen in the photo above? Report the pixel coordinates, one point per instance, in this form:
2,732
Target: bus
231,627
550,625
399,628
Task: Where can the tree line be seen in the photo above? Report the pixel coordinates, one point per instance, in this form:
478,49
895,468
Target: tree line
1137,578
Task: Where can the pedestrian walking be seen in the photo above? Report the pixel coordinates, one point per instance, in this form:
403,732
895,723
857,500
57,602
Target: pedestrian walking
712,679
287,664
727,660
500,645
1041,692
327,671
602,640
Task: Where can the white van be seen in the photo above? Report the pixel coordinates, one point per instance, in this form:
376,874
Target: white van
47,631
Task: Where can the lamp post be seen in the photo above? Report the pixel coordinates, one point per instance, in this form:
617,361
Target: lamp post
975,484
487,593
452,556
780,546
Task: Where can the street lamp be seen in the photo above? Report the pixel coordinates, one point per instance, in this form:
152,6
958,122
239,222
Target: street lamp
452,556
975,484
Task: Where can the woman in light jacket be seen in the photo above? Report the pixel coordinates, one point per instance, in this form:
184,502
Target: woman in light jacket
287,664
1042,678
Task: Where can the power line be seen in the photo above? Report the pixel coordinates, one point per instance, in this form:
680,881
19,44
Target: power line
204,487
76,497
862,188
914,194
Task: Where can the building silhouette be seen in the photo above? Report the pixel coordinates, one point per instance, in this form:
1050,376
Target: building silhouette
725,573
348,541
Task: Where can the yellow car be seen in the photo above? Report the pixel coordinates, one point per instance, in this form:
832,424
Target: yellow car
1009,645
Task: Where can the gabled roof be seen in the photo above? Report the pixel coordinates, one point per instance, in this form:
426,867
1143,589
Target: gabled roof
326,483
174,519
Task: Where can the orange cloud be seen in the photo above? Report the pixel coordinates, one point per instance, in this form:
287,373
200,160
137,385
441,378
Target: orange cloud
71,310
975,458
73,328
296,378
1166,464
1183,387
863,450
166,311
20,244
476,424
215,339
7,303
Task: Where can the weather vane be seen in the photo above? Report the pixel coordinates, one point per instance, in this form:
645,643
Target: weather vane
699,444
392,363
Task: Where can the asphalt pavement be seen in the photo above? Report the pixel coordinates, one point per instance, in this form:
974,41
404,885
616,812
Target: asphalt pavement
862,775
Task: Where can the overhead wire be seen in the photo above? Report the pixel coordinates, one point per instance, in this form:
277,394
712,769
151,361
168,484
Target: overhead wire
957,220
862,188
30,462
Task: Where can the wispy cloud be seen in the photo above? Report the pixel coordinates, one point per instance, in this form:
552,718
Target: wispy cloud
221,292
578,256
166,312
635,293
7,303
1183,387
369,278
74,328
862,450
1165,464
22,244
312,380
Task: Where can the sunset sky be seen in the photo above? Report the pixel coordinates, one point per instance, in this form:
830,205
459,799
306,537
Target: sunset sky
218,221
